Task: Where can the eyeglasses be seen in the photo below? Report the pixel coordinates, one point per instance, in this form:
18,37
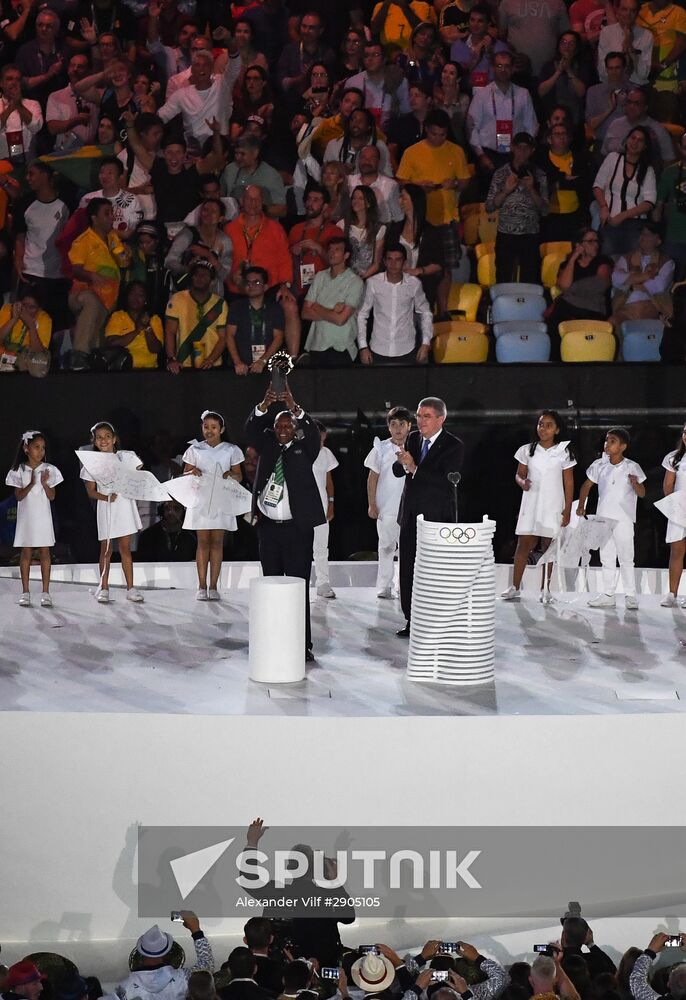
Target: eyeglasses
254,281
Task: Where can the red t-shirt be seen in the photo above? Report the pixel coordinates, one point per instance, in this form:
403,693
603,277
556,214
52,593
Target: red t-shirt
303,264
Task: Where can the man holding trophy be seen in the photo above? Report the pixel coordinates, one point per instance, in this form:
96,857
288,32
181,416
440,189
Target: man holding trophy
286,501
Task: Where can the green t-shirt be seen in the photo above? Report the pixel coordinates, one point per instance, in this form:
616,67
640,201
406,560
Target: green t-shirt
672,191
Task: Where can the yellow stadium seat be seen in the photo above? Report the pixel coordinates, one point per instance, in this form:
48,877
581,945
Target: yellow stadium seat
584,326
559,246
485,270
585,346
550,265
483,248
465,299
470,215
488,226
460,343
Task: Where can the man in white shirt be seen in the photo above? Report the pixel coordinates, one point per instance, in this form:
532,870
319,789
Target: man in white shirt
625,36
205,98
126,208
182,79
20,119
382,97
395,298
69,118
386,189
635,114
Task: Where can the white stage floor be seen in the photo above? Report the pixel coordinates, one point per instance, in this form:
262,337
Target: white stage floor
173,655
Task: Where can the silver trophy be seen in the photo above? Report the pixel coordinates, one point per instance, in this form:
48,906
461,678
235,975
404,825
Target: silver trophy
280,366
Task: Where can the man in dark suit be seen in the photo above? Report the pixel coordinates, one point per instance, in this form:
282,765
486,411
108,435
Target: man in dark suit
242,966
258,936
286,501
430,454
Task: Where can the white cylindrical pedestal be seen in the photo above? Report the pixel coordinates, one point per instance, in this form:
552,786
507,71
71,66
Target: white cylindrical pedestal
277,629
452,628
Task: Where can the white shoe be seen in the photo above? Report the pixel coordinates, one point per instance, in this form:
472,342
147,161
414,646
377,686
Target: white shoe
602,601
511,594
135,596
45,601
631,602
104,597
546,597
213,595
25,600
669,601
325,591
386,594
201,594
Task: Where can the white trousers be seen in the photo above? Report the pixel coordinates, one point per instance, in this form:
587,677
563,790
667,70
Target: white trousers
620,546
321,554
388,531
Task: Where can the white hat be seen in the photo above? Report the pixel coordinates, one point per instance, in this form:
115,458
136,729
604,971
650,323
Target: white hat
154,943
373,973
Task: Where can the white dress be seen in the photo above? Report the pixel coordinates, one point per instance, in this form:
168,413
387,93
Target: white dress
540,512
120,517
675,533
34,515
201,455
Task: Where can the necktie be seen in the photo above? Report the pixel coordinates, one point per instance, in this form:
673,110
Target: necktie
278,474
424,451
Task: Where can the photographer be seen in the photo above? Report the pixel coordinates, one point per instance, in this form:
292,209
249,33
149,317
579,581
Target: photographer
575,933
519,190
676,984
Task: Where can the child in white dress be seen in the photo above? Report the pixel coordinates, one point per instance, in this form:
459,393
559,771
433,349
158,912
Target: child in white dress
322,467
201,458
544,474
117,516
34,481
619,482
675,479
384,491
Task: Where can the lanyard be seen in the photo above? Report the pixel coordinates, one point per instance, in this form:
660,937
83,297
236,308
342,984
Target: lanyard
512,97
249,240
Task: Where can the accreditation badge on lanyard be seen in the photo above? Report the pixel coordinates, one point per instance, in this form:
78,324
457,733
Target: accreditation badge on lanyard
272,494
503,128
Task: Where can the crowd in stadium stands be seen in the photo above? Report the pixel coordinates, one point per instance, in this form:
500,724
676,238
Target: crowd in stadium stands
195,184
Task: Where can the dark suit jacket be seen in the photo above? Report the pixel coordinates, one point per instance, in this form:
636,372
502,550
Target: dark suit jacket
243,990
269,975
428,492
303,494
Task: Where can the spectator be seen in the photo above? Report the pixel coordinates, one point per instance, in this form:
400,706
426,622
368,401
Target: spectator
206,98
569,185
20,119
210,188
183,78
447,97
258,936
624,970
170,60
533,30
255,327
385,94
148,132
564,79
201,985
97,257
364,232
393,21
671,208
111,90
148,265
420,64
361,131
519,192
575,933
258,240
23,980
666,22
440,167
397,301
641,280
548,978
626,36
422,242
625,191
243,985
126,208
254,97
407,129
605,101
42,60
497,112
475,53
385,188
584,279
308,240
135,329
155,975
206,241
297,57
71,120
335,183
249,169
244,33
297,978
330,304
24,328
195,324
168,541
636,113
334,127
350,58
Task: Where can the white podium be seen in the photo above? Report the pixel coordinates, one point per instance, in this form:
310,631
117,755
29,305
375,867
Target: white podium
277,629
452,627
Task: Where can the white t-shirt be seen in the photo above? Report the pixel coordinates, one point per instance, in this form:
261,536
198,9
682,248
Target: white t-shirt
389,488
324,463
679,470
139,176
616,495
126,208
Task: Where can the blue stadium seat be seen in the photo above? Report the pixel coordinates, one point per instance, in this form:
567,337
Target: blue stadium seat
522,347
641,339
518,326
515,288
518,307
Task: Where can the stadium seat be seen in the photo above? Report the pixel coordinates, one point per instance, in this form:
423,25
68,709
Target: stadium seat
583,326
470,215
481,249
515,288
522,347
588,346
465,299
559,246
550,266
485,269
641,339
459,342
517,307
518,326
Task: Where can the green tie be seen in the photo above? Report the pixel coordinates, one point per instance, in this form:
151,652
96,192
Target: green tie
277,475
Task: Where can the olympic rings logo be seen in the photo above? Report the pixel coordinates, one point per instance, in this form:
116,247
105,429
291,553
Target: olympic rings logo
460,536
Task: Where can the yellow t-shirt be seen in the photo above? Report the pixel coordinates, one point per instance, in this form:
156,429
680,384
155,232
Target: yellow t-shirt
120,323
92,253
18,337
187,312
563,202
397,29
423,162
664,26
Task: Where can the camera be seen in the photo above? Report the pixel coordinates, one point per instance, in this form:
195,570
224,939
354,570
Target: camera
673,941
368,949
448,948
328,972
439,976
177,916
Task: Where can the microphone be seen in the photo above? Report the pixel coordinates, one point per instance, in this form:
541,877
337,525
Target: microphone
454,478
